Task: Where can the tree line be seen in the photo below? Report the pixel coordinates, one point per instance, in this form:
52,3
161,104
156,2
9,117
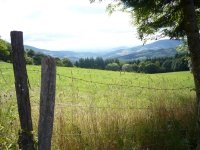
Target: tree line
180,62
150,65
35,58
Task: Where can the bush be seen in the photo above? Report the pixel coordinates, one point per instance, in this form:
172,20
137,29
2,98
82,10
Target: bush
37,58
29,60
127,67
135,67
151,68
66,62
113,67
167,64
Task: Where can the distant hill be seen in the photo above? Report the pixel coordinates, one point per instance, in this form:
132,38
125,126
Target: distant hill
73,56
160,48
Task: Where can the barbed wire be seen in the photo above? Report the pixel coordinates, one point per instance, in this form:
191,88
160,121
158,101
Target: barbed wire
120,132
64,105
93,107
121,85
111,84
129,86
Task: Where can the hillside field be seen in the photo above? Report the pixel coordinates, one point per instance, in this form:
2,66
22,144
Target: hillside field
107,110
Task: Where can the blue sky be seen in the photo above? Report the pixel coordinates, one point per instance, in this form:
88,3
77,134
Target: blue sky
67,24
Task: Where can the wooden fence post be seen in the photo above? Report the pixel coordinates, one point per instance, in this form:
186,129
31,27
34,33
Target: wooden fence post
47,103
21,85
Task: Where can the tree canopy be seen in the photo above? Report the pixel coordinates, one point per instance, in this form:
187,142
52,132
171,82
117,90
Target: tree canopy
163,17
4,50
173,18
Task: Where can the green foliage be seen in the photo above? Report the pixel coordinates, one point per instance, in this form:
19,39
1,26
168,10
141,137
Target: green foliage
159,65
151,65
30,52
66,62
135,67
99,63
29,60
113,67
5,49
95,63
167,65
180,64
151,68
155,16
58,61
111,60
141,66
35,58
127,67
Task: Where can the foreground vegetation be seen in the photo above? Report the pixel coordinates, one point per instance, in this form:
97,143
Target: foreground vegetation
98,109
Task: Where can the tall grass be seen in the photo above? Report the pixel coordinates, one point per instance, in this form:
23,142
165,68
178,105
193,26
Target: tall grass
159,127
90,116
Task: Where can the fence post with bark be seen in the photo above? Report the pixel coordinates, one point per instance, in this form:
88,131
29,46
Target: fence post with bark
25,140
47,103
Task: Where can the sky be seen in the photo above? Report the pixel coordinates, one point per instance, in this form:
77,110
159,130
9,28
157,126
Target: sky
74,25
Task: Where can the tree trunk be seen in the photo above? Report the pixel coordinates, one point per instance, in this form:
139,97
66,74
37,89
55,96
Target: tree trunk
193,38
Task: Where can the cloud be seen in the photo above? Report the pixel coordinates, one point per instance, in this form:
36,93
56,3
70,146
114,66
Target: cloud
66,24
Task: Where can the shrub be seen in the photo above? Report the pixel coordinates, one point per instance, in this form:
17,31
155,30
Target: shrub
127,67
113,67
151,68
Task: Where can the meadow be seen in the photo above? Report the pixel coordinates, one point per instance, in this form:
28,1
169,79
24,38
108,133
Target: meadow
106,110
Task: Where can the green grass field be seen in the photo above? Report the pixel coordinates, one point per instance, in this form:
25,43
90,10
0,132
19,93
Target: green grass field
98,109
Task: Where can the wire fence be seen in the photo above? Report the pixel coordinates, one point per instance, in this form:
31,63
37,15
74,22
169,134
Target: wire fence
115,99
79,104
103,83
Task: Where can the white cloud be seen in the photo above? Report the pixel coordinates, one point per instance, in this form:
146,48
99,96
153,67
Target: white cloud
66,24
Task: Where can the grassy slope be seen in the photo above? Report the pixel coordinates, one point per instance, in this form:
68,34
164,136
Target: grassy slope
90,115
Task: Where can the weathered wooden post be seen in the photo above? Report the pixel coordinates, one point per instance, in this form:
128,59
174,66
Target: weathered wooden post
47,103
21,85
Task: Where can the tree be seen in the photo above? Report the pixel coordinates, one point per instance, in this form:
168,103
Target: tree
4,50
127,67
30,52
37,58
113,67
66,62
180,64
173,18
135,67
167,65
28,60
58,61
111,60
99,63
141,66
151,68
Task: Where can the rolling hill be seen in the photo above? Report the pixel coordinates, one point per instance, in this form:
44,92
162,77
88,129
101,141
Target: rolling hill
73,56
160,48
